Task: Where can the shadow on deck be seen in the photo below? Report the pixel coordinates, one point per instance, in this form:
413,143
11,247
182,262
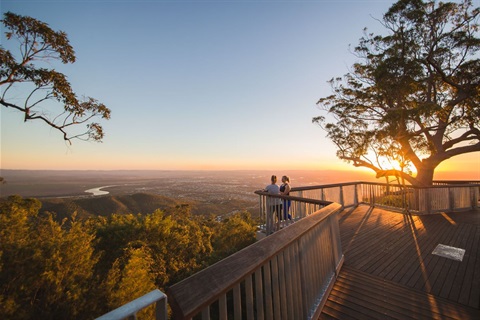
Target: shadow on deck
390,271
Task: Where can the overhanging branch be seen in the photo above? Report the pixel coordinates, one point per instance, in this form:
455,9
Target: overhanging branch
380,172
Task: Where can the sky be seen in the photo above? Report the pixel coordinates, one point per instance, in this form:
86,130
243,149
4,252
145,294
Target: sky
198,85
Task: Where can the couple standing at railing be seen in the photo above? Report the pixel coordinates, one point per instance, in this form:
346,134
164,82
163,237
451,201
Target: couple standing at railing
277,206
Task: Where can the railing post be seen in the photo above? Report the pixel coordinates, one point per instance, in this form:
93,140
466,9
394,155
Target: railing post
335,242
262,217
428,201
417,199
355,195
342,202
372,196
473,197
451,199
269,216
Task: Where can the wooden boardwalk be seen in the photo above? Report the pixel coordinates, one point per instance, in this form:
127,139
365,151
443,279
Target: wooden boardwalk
390,271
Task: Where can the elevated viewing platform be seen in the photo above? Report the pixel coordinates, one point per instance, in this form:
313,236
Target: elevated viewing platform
350,251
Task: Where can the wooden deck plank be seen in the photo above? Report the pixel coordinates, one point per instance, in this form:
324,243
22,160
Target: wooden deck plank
418,240
475,294
398,295
402,272
422,269
401,246
434,263
451,266
358,295
453,285
398,248
402,307
467,288
391,302
384,258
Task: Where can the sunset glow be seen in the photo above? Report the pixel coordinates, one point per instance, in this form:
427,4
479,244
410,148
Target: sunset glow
199,86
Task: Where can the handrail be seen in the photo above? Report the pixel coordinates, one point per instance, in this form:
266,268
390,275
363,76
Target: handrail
130,310
436,184
443,196
299,262
279,196
278,211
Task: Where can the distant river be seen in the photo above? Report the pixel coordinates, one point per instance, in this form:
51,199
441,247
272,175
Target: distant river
98,191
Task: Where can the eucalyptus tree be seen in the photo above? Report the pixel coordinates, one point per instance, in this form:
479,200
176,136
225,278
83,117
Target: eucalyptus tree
42,93
412,99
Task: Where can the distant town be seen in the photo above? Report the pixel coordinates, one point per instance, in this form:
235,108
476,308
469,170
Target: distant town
195,185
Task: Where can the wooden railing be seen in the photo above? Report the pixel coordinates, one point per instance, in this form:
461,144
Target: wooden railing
287,275
279,211
443,196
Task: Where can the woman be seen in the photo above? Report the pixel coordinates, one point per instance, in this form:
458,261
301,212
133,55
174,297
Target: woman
285,190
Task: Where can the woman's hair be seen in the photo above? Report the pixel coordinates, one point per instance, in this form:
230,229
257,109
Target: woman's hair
286,178
274,178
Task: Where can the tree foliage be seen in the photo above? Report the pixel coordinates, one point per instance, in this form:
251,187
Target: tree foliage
80,269
44,265
131,276
412,100
41,93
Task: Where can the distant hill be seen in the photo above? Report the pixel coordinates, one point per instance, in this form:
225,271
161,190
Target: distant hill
105,205
143,203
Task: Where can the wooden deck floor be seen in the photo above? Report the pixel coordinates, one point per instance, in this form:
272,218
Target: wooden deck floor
388,258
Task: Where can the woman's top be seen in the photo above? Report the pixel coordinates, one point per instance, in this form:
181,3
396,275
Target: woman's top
283,187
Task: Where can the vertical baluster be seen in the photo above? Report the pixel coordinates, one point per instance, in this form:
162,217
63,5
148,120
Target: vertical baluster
161,309
249,297
222,306
303,270
206,313
297,294
275,288
268,291
259,294
237,302
288,282
283,290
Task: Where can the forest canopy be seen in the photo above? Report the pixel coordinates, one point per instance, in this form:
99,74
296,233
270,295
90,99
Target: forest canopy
81,269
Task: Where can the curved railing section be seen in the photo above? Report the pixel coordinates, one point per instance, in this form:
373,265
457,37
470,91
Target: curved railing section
443,196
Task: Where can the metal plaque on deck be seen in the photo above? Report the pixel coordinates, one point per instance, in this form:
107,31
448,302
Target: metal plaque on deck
449,252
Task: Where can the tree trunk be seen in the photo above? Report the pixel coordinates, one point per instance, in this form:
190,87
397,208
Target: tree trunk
424,176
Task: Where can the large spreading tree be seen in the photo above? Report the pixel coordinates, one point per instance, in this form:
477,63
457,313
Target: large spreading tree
30,86
412,100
